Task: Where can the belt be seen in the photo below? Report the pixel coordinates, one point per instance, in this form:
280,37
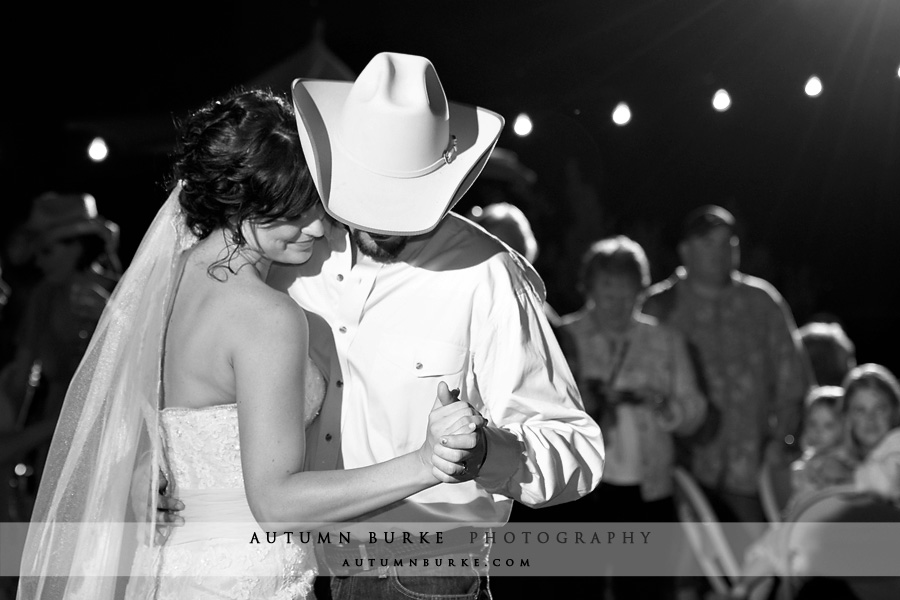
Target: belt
357,557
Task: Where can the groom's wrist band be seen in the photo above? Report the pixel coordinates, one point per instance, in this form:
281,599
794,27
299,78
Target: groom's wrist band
484,458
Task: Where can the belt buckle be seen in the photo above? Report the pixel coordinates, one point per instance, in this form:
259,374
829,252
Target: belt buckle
364,556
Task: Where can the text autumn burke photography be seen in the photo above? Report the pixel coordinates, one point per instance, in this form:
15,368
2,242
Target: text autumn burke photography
427,538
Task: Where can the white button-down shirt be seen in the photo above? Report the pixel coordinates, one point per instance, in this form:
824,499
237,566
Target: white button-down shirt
457,307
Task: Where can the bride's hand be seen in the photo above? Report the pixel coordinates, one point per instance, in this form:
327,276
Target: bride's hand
454,433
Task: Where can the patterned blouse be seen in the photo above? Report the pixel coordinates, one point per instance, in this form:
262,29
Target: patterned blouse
650,360
754,369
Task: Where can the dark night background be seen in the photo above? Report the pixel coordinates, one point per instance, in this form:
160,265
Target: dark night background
815,182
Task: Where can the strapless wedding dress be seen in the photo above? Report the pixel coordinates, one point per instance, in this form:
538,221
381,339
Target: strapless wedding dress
211,555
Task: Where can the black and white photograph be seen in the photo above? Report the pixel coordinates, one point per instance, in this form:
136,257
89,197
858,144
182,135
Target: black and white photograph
476,301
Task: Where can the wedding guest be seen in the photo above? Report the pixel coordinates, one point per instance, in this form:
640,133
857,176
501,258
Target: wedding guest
511,226
822,429
69,243
753,365
866,460
831,352
638,382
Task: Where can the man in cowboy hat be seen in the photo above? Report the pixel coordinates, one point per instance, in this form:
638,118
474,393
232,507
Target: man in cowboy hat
414,294
66,240
74,249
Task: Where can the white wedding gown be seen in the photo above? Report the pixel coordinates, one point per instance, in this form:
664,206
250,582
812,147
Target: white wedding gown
88,527
211,555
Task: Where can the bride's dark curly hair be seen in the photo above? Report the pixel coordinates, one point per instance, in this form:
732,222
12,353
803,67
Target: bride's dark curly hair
239,159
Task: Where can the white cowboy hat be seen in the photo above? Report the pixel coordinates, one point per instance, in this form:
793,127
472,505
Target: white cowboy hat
388,153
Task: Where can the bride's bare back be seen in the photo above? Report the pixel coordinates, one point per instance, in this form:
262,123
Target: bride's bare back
249,196
209,323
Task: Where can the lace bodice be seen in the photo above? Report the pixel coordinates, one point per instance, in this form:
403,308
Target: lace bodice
203,445
204,449
209,557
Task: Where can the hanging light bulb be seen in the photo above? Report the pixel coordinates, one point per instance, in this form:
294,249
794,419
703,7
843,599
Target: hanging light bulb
721,101
622,114
98,150
813,87
523,125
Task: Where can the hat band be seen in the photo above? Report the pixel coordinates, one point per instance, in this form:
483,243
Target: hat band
447,157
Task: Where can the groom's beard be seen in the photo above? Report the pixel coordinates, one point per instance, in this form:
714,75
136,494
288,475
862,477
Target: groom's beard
381,248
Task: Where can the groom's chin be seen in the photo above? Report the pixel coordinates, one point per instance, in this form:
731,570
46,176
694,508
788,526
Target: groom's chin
384,249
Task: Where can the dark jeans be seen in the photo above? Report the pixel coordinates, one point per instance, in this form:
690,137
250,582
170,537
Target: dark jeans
607,504
400,587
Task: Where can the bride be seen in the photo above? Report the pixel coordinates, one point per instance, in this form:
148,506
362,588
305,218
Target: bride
199,372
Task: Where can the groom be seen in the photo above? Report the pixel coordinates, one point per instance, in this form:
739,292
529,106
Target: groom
413,295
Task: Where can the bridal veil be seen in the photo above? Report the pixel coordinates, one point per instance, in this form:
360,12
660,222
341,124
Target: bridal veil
97,497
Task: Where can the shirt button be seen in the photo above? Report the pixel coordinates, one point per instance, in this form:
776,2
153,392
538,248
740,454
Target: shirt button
340,277
343,329
339,383
328,437
418,365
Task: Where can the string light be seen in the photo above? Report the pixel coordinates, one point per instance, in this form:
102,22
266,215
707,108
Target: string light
523,125
98,150
622,114
721,101
813,87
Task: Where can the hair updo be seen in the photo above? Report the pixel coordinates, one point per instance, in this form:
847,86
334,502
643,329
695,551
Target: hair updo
239,159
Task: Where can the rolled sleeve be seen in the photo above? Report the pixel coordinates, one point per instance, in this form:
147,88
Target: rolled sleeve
543,449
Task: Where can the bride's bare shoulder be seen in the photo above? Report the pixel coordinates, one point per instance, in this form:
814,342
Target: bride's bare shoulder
261,311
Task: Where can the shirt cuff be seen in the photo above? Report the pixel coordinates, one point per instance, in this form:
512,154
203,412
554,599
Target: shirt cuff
505,456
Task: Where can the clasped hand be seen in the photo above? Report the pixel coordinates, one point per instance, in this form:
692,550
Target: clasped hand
455,446
454,450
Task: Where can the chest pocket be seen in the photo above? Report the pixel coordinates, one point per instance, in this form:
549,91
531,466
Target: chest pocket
416,357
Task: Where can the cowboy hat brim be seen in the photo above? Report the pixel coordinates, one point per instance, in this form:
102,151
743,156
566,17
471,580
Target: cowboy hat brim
102,228
378,203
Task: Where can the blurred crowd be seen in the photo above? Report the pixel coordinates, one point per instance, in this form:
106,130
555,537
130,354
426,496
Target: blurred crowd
704,371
